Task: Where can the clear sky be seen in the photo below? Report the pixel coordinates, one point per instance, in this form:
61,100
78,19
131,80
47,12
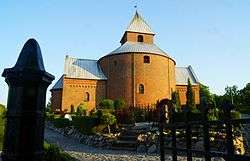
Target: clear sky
211,35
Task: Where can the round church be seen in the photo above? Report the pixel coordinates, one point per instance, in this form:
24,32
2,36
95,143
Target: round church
138,72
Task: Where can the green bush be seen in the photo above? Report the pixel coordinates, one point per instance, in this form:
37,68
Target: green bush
108,119
107,104
82,109
85,124
139,115
54,153
119,104
50,116
61,122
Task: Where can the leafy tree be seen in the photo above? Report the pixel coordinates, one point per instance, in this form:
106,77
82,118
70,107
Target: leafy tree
190,104
245,95
232,94
82,109
119,104
107,104
108,119
176,100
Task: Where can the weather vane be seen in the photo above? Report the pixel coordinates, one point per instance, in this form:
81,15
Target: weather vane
136,4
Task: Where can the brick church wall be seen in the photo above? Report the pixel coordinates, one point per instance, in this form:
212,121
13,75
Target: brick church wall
74,91
182,89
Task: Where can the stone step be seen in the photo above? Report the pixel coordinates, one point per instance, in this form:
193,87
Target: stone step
127,137
125,144
123,148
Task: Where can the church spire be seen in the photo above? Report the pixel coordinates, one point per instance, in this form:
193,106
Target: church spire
138,24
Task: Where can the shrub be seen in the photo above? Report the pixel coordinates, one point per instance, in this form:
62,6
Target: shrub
85,124
108,119
125,116
54,153
119,104
61,122
82,109
50,116
107,104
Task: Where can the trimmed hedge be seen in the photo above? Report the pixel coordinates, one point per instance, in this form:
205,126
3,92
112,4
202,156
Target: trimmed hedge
61,122
85,124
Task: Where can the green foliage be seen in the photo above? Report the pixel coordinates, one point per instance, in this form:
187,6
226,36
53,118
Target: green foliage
139,115
107,104
85,124
119,104
82,109
61,122
50,116
54,153
2,110
176,101
190,104
232,94
108,119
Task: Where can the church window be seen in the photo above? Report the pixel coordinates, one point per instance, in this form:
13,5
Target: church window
146,59
115,63
141,89
86,97
140,38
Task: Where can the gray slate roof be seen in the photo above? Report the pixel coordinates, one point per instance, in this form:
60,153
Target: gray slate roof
183,73
59,84
138,47
138,24
82,68
89,69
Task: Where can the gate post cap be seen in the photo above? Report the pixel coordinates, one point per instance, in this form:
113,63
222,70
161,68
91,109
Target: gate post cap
29,61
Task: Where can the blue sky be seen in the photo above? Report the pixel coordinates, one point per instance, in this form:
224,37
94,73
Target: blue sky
213,36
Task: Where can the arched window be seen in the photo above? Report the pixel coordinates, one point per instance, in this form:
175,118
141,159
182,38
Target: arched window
146,59
141,89
140,38
86,97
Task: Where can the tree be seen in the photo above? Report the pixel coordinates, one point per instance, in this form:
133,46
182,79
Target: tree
108,119
245,95
176,100
119,104
81,109
190,104
107,104
207,96
232,94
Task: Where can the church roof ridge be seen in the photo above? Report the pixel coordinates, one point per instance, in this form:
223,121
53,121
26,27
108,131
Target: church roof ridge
138,24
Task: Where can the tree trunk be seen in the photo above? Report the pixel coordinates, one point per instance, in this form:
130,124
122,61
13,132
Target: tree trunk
109,129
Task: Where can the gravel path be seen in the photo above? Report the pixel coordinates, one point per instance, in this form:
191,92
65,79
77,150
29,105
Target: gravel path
86,153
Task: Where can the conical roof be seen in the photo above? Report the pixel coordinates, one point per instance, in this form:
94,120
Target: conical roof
138,24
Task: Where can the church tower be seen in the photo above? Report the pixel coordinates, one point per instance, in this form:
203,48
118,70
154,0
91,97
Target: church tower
138,71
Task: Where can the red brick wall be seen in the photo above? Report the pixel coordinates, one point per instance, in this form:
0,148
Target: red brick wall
182,89
56,99
132,36
75,89
158,77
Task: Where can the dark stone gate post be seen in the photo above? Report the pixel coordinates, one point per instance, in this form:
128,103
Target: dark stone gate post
24,129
